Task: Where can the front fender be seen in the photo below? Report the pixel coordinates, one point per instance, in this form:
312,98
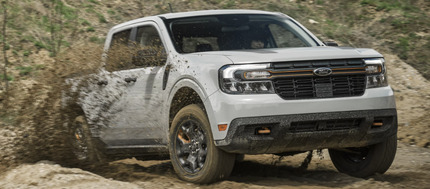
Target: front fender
197,87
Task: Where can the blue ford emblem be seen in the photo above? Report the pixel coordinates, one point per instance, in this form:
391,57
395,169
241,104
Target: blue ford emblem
323,71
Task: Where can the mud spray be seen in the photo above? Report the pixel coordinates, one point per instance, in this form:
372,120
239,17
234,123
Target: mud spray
38,130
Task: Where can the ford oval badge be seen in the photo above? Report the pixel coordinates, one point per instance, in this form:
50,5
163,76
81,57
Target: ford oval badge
323,71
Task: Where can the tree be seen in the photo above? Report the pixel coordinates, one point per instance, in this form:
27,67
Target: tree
4,5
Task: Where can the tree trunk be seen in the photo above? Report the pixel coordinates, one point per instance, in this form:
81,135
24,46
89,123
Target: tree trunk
4,4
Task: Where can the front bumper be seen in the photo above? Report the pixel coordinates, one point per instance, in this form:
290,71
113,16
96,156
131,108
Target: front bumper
302,132
223,108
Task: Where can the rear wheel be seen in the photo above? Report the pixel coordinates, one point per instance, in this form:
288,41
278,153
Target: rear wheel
193,153
365,161
83,147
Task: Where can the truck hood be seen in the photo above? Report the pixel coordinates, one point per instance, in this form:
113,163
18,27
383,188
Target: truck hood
293,54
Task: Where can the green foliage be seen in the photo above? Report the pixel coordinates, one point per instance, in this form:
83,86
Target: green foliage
90,10
27,70
387,5
7,46
230,4
111,12
8,119
402,47
102,18
95,39
86,5
40,45
26,53
94,1
24,70
85,22
67,12
13,10
65,43
368,2
9,77
90,29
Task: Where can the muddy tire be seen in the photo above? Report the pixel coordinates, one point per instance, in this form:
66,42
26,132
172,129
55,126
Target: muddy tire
83,148
240,158
365,161
193,153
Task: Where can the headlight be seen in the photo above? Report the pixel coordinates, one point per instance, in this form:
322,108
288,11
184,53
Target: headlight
245,79
376,73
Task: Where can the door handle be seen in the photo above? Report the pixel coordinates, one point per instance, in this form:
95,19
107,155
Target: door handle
130,79
102,82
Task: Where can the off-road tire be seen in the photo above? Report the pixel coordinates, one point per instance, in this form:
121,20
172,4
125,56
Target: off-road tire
212,164
367,161
240,158
83,147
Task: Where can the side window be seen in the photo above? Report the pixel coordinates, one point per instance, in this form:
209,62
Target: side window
119,54
284,37
149,48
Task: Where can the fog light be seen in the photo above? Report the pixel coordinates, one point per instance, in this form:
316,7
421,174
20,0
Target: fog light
377,123
263,131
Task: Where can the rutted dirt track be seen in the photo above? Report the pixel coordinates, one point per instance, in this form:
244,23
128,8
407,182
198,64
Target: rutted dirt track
411,169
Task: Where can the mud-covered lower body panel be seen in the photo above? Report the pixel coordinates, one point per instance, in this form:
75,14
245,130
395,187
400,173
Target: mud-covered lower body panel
302,132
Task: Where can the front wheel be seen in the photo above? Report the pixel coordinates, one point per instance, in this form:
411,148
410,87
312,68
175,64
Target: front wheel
365,161
193,153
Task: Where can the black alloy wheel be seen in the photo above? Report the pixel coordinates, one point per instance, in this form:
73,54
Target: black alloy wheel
193,153
191,146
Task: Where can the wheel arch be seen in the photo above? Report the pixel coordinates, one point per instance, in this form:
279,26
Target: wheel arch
186,92
71,111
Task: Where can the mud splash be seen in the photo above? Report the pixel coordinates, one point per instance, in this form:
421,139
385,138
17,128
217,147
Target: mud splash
36,105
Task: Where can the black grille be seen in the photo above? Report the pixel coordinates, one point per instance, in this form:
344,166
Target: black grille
320,87
295,80
326,125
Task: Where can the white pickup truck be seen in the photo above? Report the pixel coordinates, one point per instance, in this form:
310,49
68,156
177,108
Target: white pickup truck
204,87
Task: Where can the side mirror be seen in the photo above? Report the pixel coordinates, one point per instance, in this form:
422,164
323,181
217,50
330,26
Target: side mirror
331,43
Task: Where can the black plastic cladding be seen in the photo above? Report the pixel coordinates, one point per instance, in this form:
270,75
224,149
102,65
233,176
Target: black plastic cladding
241,137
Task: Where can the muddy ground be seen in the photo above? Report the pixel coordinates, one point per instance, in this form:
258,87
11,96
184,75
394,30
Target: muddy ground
411,169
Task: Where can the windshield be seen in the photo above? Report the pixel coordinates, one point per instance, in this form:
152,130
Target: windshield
236,32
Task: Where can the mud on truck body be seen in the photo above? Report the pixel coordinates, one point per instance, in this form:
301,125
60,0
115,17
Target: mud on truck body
204,87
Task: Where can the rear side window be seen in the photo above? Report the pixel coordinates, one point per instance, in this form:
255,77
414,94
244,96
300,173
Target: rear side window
119,57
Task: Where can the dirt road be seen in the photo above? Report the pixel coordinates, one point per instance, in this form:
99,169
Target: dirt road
411,169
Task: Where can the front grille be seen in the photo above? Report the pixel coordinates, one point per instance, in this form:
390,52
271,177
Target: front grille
296,80
320,87
326,125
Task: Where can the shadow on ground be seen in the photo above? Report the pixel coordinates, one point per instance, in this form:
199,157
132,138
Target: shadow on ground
260,172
